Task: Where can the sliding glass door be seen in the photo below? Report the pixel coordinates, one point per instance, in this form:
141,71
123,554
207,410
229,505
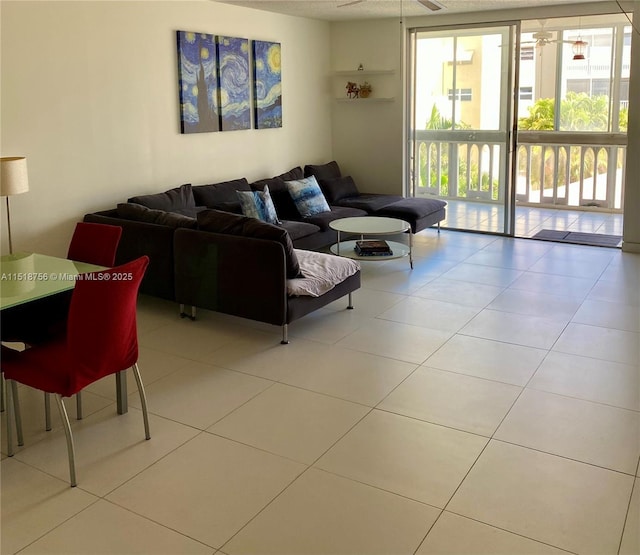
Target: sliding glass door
461,121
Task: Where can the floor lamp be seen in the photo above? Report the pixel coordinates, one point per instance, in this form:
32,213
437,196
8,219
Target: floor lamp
13,181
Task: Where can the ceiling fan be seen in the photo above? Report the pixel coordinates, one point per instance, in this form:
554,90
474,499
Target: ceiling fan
541,38
432,5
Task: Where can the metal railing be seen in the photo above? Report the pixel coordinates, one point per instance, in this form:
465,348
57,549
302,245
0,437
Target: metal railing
554,169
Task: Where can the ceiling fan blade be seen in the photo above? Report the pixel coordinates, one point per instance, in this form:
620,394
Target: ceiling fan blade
431,5
353,3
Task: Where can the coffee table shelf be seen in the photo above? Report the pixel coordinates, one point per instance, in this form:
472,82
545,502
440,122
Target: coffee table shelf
371,226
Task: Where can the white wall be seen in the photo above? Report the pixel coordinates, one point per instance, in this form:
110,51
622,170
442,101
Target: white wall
367,136
89,94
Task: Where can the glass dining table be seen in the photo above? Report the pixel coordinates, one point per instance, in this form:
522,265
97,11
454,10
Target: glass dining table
28,277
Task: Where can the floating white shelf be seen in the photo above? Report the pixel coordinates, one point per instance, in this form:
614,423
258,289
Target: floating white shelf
365,72
365,100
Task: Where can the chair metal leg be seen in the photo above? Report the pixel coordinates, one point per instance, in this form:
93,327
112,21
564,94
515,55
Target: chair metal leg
16,412
285,334
13,415
79,405
70,448
2,393
350,305
143,399
10,414
47,412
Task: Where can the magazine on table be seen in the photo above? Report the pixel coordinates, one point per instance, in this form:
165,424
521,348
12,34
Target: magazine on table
372,247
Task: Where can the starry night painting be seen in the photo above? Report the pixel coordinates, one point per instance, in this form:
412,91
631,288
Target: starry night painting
198,82
233,70
267,84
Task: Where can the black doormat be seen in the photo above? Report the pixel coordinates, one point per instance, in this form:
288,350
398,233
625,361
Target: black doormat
593,239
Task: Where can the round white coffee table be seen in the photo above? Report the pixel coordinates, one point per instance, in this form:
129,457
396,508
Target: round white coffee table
371,226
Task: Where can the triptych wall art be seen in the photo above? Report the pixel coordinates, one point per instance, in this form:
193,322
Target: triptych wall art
215,74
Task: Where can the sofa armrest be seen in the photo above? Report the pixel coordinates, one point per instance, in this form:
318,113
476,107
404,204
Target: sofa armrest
236,275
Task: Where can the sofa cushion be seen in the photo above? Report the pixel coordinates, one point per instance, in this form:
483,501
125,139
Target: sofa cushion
293,173
218,221
369,202
258,204
337,188
173,200
298,230
307,196
412,208
285,207
217,195
330,170
140,213
323,219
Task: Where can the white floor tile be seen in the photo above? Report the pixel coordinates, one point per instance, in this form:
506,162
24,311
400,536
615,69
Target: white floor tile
208,489
519,329
453,400
110,448
457,535
428,313
485,358
531,303
351,375
395,340
33,503
631,536
602,343
323,514
564,286
609,315
460,292
487,275
291,422
106,528
200,394
415,459
591,379
580,430
564,503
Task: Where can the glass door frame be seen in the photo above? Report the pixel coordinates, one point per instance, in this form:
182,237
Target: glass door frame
510,66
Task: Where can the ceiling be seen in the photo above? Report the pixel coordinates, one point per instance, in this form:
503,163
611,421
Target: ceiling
331,10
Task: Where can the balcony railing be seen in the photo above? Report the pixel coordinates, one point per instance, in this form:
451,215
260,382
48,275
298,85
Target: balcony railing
553,168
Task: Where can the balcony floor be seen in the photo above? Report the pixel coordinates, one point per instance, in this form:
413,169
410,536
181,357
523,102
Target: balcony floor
476,216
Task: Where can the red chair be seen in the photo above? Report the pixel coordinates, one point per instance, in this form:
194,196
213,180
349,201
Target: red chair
95,243
101,339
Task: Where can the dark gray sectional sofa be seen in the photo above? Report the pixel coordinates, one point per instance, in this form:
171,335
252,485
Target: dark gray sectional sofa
245,274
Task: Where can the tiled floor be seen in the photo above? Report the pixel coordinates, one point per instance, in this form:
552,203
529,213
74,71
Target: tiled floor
487,402
529,220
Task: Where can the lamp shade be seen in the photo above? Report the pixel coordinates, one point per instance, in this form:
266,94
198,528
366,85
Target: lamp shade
13,176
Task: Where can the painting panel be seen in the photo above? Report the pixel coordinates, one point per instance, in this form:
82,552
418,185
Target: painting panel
267,84
198,82
233,70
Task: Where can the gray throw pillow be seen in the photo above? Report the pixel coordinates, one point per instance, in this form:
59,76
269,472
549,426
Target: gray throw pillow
139,213
172,200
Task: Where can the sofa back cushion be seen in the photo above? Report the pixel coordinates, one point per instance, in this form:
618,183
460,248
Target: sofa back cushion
140,213
221,196
329,170
218,221
293,173
179,199
338,188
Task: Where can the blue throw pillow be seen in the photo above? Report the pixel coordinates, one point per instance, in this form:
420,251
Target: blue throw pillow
258,205
307,196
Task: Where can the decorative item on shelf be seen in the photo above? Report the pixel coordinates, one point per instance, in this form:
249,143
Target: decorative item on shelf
13,181
352,89
365,90
360,67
